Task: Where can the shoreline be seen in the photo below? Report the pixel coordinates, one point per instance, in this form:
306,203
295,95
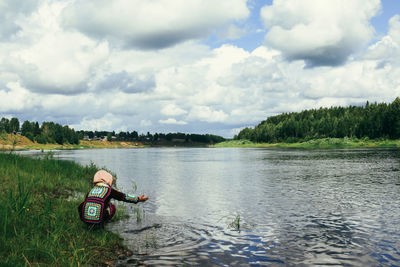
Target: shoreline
12,142
324,143
20,143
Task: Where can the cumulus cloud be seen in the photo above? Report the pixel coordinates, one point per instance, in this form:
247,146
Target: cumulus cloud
15,98
151,24
59,63
10,13
356,80
394,30
229,93
172,121
108,122
322,33
145,123
126,82
387,50
207,114
49,60
172,110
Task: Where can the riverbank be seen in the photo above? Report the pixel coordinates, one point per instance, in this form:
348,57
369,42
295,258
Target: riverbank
317,143
19,142
39,222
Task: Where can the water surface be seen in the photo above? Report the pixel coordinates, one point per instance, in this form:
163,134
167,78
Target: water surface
296,207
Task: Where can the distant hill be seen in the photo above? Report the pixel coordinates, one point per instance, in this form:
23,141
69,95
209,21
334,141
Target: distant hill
10,141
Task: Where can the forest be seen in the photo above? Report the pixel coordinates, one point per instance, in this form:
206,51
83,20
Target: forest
51,133
373,121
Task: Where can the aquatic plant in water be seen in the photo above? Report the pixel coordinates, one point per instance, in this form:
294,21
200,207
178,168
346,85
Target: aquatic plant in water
134,186
235,224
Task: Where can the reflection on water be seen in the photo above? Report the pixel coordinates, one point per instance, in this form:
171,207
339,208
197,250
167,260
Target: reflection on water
296,207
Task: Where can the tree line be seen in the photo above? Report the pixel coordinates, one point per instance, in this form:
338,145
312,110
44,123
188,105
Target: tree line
50,132
376,120
151,138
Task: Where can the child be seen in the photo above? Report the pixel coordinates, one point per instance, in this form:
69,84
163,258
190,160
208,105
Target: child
97,208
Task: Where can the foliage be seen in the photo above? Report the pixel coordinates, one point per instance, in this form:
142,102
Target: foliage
370,121
4,125
14,125
48,132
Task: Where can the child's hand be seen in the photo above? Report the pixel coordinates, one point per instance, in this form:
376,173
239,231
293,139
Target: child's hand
143,198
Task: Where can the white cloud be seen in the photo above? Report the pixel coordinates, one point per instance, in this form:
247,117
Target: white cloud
387,50
151,24
15,98
108,122
10,13
321,32
50,60
172,110
59,63
127,82
362,80
394,28
172,121
145,123
207,114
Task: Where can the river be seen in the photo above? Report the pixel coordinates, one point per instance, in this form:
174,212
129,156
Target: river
257,207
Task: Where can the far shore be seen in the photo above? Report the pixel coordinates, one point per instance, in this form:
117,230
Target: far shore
18,142
324,143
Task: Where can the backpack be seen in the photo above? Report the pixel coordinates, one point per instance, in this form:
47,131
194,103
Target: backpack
93,207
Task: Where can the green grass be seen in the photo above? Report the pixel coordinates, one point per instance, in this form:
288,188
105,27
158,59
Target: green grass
38,225
242,143
318,143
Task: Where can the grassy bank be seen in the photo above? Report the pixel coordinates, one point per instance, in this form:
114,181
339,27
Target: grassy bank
18,142
317,143
39,222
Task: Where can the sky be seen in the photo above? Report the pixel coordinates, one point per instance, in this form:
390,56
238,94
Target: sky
193,66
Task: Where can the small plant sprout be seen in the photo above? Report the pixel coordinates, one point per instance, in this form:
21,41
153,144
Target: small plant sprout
147,244
139,214
134,186
235,224
154,241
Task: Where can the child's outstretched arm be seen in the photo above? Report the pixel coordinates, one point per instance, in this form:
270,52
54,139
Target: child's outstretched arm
135,199
127,197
